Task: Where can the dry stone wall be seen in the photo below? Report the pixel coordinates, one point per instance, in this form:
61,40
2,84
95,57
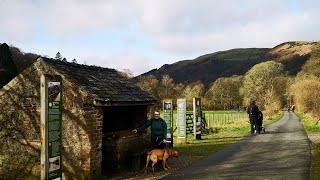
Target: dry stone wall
20,121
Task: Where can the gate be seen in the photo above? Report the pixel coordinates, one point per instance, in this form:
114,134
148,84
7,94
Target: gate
189,123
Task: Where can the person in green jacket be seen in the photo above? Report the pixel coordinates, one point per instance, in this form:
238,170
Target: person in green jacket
158,130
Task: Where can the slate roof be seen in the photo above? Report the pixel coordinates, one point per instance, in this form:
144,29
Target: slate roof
106,85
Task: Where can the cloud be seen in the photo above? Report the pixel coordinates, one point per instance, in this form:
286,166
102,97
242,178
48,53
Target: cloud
136,62
16,20
206,26
258,34
196,17
64,18
158,18
80,17
178,29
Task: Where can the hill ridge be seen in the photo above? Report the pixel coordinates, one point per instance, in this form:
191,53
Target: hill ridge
292,54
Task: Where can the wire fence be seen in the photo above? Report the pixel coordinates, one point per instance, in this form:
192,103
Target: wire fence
219,118
224,118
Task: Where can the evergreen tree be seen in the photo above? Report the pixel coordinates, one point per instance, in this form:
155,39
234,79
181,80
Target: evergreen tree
58,56
8,70
74,61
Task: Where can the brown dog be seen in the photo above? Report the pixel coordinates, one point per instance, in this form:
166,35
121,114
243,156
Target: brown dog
160,154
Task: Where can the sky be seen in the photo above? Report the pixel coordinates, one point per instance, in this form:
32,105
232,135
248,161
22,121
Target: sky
141,35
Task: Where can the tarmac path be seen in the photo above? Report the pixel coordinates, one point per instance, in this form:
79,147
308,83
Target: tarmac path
283,152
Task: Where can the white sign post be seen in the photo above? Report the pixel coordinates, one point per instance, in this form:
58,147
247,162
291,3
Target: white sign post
181,120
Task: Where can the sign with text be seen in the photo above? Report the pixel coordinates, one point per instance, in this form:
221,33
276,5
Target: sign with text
181,120
197,118
168,117
51,116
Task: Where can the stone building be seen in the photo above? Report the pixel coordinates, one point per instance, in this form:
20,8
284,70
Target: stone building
100,108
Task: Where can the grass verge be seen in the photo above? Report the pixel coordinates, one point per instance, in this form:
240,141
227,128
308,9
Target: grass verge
312,128
311,125
315,161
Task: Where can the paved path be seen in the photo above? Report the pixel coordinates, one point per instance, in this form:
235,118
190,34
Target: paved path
282,153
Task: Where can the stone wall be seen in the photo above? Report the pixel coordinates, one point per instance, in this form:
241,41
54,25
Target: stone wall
20,121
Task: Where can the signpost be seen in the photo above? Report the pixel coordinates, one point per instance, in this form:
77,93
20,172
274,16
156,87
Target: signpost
168,117
181,120
51,116
197,118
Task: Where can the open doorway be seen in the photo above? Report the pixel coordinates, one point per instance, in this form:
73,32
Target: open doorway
122,150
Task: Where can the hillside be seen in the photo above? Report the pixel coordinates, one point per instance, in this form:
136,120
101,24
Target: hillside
12,62
20,59
209,67
8,70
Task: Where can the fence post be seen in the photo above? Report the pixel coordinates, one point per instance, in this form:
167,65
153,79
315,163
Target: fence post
208,122
197,118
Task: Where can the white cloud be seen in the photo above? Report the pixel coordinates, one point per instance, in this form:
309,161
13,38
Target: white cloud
179,28
136,62
189,17
17,21
167,17
206,26
80,17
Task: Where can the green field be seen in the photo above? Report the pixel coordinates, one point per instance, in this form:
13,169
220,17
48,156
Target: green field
220,121
218,118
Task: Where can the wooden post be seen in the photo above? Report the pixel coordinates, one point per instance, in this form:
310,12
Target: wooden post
44,127
197,118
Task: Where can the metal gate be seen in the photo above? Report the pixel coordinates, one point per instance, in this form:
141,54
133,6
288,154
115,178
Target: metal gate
189,122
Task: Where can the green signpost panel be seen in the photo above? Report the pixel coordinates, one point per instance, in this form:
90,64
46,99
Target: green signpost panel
51,118
168,117
181,120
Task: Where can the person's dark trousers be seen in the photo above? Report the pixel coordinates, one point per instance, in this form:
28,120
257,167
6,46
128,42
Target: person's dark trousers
252,124
252,128
158,146
157,143
257,125
260,125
